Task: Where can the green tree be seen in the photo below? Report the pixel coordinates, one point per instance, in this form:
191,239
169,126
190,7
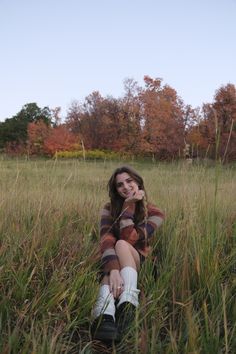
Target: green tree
14,130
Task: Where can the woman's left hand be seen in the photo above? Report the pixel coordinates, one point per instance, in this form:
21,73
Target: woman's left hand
115,283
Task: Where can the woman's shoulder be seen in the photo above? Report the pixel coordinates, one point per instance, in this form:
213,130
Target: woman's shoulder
106,208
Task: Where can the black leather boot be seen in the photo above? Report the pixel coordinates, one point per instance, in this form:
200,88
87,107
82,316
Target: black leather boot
125,315
104,328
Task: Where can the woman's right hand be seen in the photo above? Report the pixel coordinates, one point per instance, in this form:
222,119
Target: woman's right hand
139,195
116,283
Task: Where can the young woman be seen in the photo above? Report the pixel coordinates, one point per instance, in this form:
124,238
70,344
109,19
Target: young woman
127,223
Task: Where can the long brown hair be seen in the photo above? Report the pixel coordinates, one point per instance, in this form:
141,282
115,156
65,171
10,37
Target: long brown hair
117,201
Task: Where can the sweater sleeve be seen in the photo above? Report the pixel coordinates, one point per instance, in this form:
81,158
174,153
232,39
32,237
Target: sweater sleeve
107,241
127,230
135,233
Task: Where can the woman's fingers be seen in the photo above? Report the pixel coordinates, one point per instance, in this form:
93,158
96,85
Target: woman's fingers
136,197
140,194
116,290
116,283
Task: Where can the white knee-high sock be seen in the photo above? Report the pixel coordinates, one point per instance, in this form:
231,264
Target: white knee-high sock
130,292
105,303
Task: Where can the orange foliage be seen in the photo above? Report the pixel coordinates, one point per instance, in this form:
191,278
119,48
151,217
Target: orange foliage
44,139
143,121
37,134
60,139
164,120
151,120
215,135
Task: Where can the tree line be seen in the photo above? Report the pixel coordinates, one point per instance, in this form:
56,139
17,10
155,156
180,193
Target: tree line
150,120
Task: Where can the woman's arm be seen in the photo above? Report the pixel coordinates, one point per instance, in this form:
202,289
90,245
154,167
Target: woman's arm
133,233
107,241
154,221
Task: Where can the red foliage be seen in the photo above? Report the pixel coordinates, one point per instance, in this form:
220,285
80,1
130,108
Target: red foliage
60,139
144,121
43,139
150,120
37,134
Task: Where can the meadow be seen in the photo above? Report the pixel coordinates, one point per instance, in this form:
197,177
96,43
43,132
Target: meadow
49,219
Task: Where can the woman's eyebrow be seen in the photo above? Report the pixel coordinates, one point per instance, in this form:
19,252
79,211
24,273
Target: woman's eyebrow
126,180
119,183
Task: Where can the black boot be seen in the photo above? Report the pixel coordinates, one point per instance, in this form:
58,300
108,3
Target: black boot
125,315
104,328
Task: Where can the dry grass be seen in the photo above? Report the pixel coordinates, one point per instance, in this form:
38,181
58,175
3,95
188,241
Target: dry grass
48,235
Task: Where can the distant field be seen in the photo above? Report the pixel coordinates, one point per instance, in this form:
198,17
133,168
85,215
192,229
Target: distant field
49,219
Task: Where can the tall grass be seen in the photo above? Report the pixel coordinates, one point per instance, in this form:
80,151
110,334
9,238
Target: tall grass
48,271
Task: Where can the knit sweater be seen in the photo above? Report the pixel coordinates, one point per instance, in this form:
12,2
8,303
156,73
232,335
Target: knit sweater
138,235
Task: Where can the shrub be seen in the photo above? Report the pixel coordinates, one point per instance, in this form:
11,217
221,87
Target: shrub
92,155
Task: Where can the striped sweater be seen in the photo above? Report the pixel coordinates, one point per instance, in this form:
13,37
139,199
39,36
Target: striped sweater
138,235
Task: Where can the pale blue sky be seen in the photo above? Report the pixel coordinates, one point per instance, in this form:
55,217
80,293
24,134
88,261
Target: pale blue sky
55,51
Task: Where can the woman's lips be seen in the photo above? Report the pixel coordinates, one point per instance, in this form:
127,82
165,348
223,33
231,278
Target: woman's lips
129,194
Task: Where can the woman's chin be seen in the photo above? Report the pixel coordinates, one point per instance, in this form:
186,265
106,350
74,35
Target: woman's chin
129,195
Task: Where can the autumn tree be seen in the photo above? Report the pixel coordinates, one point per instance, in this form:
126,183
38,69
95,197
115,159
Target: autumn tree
98,120
74,115
86,119
108,123
215,133
163,115
150,120
60,139
38,132
222,121
154,120
131,121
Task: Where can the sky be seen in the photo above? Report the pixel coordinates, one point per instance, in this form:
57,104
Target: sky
56,51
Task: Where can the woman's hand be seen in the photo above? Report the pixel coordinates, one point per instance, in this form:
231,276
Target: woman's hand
115,283
136,197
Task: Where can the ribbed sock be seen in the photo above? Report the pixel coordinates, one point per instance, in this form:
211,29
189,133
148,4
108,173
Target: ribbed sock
130,292
105,303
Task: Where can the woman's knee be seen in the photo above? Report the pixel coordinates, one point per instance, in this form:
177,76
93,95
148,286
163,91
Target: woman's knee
122,245
125,249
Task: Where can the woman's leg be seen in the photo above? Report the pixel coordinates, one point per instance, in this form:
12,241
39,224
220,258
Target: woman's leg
130,262
105,303
103,326
127,254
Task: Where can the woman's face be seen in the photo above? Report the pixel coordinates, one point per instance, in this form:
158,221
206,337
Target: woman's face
126,186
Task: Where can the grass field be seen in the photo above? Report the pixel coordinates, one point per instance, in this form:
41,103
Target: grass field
49,219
